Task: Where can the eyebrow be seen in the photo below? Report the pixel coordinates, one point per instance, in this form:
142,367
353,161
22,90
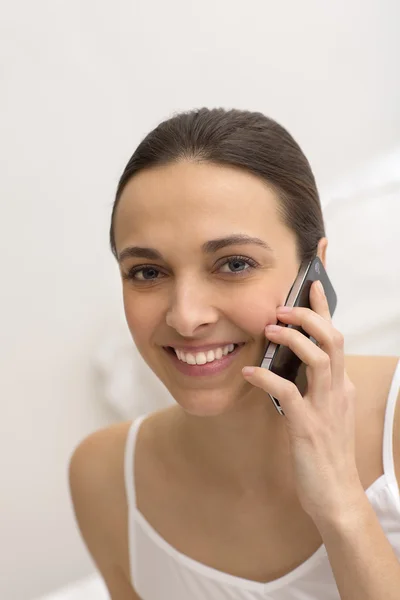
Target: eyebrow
238,239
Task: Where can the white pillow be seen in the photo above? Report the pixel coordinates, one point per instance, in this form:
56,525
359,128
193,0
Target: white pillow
362,216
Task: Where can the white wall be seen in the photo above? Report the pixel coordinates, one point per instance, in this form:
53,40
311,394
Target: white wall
81,83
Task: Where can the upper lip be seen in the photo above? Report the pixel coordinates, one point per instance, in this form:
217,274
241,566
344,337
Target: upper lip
203,348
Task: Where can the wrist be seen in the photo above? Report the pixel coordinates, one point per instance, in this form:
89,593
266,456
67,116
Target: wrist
349,512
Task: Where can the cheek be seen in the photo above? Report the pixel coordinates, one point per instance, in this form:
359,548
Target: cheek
141,315
255,309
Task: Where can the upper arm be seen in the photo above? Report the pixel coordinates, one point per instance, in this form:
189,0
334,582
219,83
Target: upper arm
95,471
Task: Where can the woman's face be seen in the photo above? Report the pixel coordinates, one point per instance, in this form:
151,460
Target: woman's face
182,290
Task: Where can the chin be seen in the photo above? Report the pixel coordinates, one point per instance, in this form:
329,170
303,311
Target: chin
208,403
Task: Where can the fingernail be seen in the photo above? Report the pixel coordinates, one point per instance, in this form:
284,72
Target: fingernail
284,309
320,287
248,370
272,328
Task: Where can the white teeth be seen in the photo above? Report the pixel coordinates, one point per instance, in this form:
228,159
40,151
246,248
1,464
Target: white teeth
190,359
210,356
201,358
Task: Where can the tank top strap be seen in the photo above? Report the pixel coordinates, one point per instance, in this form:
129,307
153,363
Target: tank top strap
129,461
388,459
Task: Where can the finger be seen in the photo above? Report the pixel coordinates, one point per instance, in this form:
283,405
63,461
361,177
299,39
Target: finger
317,361
289,397
329,339
319,304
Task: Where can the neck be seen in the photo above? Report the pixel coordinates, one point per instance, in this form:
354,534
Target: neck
245,449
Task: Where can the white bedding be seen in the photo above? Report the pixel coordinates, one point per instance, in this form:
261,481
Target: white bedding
89,588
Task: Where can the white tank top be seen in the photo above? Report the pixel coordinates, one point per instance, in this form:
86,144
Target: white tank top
159,571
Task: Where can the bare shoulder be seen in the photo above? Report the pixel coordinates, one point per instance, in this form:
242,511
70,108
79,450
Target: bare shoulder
96,480
369,367
372,377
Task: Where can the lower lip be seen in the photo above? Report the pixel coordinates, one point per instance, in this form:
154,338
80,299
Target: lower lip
211,368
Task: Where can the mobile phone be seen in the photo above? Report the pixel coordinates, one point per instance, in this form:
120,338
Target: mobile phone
281,359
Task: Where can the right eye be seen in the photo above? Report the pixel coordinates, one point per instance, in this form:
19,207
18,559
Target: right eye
142,273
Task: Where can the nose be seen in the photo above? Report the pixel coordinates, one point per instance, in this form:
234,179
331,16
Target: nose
190,308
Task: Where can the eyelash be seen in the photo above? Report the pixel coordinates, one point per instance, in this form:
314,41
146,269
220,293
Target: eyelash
249,261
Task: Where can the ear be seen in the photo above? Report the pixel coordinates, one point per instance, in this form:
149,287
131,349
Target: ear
321,253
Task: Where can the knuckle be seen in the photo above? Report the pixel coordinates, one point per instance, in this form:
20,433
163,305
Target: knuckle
324,361
291,390
338,339
350,388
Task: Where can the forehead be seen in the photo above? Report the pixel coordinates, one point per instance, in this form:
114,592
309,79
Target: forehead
200,201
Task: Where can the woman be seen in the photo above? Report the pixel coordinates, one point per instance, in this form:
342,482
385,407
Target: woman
219,496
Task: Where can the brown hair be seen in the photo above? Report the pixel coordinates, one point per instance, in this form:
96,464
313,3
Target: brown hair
243,139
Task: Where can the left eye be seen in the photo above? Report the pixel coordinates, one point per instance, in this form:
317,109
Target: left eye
238,264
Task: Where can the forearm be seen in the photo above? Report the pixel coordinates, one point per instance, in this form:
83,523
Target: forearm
363,561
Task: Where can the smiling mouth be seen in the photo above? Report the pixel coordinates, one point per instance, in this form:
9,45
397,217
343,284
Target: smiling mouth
214,364
211,367
176,353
